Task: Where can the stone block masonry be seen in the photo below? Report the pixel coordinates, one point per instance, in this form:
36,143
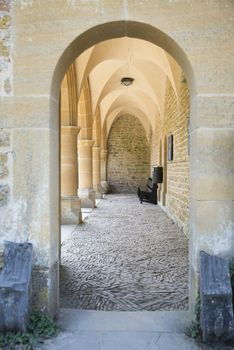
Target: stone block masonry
128,157
200,42
5,49
175,122
4,167
5,172
5,90
4,194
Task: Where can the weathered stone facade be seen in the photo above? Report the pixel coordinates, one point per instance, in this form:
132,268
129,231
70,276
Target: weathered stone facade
197,34
177,123
174,192
128,155
5,90
5,180
5,48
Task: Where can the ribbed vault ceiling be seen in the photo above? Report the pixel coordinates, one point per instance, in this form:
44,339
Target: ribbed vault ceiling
106,63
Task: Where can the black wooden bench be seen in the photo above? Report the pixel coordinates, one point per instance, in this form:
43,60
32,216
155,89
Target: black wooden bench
150,193
15,281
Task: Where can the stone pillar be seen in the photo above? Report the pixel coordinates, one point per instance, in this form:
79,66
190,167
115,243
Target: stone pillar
70,203
104,182
85,155
212,186
97,172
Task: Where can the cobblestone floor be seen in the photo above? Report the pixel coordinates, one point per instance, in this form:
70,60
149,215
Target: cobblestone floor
125,257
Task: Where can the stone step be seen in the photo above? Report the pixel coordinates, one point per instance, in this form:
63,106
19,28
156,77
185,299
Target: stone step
141,330
156,321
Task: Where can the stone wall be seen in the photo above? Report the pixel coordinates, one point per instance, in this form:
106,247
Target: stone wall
5,90
204,31
5,48
155,144
5,161
128,155
176,122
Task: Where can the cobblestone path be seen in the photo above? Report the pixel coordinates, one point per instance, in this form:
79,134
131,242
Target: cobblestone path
125,257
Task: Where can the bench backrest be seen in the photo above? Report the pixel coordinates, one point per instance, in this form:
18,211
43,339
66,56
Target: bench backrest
155,187
149,183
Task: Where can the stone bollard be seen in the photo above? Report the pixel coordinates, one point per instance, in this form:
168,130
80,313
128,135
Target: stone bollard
15,281
216,316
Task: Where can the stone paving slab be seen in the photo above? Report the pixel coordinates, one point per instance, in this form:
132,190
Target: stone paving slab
126,256
86,320
89,330
100,330
121,341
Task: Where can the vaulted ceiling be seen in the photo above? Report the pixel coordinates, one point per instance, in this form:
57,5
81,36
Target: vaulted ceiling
105,64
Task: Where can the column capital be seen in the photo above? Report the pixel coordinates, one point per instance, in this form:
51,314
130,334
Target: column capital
85,143
70,130
104,151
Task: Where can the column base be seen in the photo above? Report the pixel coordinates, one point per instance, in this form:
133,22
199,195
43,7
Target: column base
87,197
160,193
193,292
71,211
105,186
98,192
164,199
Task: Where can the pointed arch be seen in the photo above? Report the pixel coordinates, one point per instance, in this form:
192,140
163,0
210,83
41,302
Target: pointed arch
85,113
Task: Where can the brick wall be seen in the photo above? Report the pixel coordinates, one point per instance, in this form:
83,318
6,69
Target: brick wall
128,155
176,119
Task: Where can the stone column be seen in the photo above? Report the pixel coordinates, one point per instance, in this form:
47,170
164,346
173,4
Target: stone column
70,203
104,182
86,191
97,171
211,183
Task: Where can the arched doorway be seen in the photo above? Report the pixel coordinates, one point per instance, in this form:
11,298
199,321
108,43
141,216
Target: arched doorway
110,31
40,46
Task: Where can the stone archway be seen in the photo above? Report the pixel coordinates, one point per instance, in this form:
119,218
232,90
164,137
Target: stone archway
39,44
116,30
